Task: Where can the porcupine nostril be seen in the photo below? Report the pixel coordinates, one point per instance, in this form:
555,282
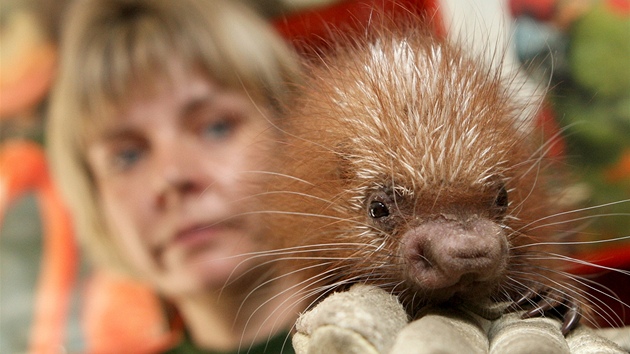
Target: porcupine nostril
425,266
418,258
444,252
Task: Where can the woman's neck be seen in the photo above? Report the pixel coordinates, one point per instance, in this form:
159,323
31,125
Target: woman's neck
235,317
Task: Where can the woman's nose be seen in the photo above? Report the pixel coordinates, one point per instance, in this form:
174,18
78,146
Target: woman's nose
177,173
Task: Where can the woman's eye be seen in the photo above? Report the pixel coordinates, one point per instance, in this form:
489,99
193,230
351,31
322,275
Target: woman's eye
126,158
220,129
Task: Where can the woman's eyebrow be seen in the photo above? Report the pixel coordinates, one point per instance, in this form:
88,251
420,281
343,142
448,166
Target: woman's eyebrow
115,132
196,104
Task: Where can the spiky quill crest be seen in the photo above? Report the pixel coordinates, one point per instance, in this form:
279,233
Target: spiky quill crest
399,113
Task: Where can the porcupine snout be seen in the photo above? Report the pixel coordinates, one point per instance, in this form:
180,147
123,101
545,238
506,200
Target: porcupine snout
447,255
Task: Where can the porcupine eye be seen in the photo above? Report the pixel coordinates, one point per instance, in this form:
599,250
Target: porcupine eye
378,209
501,201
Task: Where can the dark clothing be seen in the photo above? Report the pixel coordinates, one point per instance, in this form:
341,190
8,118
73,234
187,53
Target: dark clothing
280,344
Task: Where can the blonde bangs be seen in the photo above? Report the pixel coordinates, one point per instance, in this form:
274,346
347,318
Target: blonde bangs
133,59
130,55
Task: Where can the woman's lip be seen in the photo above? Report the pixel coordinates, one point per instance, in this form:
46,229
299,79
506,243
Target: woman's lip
197,235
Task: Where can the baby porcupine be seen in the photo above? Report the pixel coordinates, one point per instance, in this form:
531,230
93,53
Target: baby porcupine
412,165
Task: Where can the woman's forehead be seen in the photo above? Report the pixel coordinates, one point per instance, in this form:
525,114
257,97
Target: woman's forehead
173,95
141,84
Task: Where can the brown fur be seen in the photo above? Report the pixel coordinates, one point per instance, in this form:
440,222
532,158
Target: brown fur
437,136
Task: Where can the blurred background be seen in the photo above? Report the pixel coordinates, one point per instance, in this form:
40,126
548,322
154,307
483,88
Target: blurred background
584,44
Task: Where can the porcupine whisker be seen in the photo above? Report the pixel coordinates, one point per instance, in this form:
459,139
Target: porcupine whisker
302,248
287,176
275,125
412,301
572,232
315,294
501,296
603,313
306,295
281,305
294,257
569,233
520,286
292,213
574,211
503,293
280,192
392,285
321,292
304,284
607,317
533,186
299,249
612,318
262,172
417,297
584,281
568,291
261,194
606,313
551,300
541,153
293,251
396,285
537,158
593,300
568,259
284,212
581,280
315,279
383,279
514,284
572,243
578,219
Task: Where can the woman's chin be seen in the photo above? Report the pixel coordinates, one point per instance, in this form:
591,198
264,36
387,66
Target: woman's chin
209,273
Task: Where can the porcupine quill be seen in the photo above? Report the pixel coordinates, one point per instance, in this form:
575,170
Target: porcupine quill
412,165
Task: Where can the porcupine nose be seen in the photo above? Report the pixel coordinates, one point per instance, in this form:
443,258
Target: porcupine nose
444,253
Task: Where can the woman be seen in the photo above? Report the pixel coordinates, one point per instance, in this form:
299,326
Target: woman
161,124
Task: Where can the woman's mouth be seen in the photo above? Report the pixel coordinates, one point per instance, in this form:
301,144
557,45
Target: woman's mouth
198,235
196,238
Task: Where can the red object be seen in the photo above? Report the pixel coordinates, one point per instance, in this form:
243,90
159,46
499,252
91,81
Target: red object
542,10
607,283
38,73
128,311
310,31
23,169
621,7
548,125
601,261
620,171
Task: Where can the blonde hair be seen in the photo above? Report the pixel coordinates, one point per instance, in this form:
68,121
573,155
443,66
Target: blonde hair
109,47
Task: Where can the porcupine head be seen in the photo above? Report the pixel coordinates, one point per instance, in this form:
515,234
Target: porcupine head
412,166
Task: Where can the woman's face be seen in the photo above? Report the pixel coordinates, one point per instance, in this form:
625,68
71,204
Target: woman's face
174,172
